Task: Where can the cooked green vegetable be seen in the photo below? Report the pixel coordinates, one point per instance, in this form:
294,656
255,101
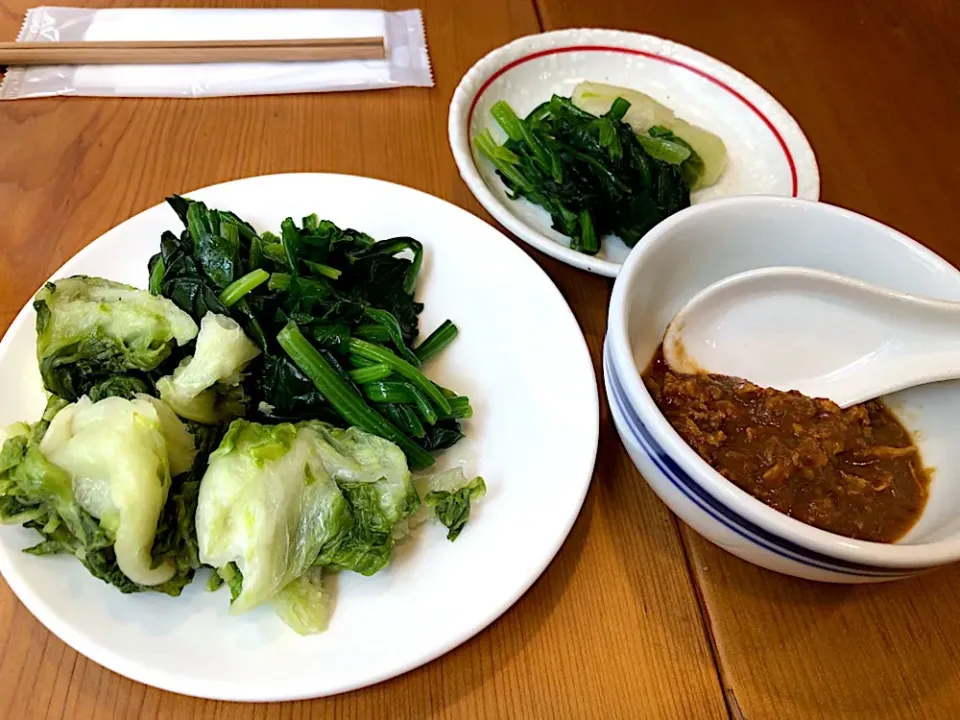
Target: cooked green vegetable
346,293
593,174
306,604
404,369
405,419
231,575
437,342
238,288
91,329
391,329
276,500
646,115
116,454
109,461
34,490
204,387
268,505
123,386
315,324
460,408
340,393
176,538
371,373
181,443
449,494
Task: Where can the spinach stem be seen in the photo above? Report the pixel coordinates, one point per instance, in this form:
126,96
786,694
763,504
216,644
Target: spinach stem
324,270
405,418
356,361
377,333
238,288
518,131
279,281
508,120
460,408
391,326
589,242
343,398
371,374
411,421
437,341
396,393
400,367
618,109
505,160
423,405
401,393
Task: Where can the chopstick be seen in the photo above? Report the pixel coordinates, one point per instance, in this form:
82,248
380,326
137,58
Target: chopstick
191,51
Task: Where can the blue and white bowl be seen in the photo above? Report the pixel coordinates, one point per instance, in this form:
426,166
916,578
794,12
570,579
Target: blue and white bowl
708,242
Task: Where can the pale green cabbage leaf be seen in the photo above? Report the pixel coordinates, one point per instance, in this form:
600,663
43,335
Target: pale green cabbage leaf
277,500
90,329
204,388
116,453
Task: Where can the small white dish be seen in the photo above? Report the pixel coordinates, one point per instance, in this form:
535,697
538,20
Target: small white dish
537,463
767,151
703,244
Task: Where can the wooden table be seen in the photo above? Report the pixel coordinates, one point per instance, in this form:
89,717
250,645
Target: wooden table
637,616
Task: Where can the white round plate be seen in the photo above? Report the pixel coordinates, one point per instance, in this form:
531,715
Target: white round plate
523,362
768,153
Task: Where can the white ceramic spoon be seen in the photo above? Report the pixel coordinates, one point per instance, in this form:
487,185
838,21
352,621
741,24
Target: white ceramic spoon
823,334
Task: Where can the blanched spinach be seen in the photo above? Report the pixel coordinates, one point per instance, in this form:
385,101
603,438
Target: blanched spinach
594,175
349,298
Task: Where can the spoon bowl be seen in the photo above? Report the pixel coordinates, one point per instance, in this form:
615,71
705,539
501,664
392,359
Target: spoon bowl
816,332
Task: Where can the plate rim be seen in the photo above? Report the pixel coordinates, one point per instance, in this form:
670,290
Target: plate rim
786,129
219,690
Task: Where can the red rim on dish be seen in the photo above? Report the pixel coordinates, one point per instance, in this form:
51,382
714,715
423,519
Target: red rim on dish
652,56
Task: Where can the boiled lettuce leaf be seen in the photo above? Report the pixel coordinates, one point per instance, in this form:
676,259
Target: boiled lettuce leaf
450,495
116,453
307,603
268,505
205,387
277,500
90,329
122,386
32,489
181,443
372,475
176,539
368,546
40,494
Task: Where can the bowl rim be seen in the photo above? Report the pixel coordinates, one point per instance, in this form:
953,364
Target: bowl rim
893,555
475,81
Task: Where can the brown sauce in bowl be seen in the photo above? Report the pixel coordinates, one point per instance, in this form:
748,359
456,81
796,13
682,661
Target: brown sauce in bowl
853,472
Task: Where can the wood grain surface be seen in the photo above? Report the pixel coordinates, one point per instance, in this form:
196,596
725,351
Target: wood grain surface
862,77
629,618
611,630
